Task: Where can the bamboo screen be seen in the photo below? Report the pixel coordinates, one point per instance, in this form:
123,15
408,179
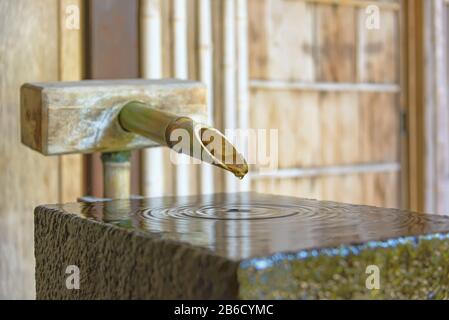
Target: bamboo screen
310,69
201,40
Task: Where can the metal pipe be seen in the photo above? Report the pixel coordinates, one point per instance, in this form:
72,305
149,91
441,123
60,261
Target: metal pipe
117,174
184,135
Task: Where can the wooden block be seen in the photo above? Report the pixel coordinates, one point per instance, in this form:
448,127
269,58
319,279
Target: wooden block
81,117
238,246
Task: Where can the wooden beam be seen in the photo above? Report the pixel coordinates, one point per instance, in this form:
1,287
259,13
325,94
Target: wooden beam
324,86
357,3
230,77
329,170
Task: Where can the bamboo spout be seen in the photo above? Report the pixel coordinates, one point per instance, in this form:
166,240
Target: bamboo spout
183,135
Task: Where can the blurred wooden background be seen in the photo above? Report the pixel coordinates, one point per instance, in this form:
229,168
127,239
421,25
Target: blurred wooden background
362,114
332,88
35,45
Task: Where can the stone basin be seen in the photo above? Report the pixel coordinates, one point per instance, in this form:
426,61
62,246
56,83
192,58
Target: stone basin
239,246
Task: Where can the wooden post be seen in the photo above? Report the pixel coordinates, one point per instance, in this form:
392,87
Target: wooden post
230,110
427,106
243,81
154,179
206,76
184,181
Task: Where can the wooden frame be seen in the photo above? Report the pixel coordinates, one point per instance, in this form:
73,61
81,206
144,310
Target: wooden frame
427,105
412,103
436,114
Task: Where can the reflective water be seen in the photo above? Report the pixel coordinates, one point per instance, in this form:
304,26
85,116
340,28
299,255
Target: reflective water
248,224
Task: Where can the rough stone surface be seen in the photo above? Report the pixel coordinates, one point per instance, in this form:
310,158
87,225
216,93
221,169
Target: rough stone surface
238,246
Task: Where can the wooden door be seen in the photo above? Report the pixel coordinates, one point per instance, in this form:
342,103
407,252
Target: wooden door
330,85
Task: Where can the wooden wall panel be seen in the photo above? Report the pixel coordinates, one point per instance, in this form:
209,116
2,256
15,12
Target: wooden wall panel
282,40
258,39
340,128
329,128
296,117
380,127
377,189
378,49
336,36
29,52
337,140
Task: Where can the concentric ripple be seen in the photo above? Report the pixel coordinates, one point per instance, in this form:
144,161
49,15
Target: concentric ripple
245,225
222,212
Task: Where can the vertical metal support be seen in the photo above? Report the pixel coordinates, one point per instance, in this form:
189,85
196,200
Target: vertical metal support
117,174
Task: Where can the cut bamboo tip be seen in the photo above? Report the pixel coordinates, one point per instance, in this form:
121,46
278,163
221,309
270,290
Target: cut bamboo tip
183,135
